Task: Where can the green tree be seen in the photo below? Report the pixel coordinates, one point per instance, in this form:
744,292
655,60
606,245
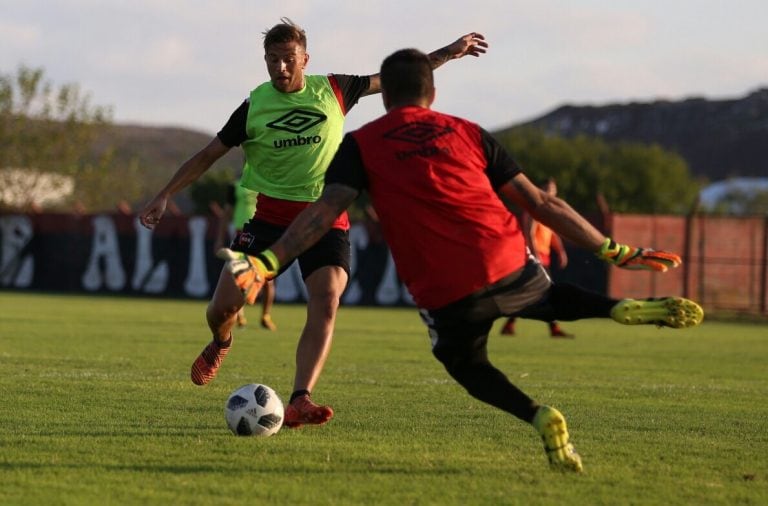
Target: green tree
758,203
213,186
633,177
46,140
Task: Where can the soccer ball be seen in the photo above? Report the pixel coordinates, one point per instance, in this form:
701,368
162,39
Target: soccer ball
254,410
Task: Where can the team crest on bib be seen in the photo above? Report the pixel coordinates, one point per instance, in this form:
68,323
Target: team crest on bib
245,239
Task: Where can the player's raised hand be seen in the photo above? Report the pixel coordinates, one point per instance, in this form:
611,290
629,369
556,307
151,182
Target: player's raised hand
629,257
472,44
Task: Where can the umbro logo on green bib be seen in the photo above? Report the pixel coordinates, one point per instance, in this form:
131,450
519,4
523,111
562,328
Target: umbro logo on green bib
297,121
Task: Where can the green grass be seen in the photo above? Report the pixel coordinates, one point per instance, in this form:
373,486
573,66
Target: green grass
96,407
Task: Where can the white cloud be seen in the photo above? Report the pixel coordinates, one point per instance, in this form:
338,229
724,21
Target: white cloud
190,62
19,34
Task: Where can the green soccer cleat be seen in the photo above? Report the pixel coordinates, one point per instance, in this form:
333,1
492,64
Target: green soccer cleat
550,423
675,312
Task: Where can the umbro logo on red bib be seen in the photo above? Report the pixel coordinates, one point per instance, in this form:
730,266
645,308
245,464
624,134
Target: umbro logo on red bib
418,132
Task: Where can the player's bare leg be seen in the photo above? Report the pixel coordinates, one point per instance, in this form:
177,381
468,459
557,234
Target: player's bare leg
221,315
324,287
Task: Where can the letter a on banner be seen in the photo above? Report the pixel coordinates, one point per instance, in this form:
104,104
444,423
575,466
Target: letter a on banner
148,277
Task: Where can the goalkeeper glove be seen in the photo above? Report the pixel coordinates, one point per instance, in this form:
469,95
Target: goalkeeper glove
250,272
629,257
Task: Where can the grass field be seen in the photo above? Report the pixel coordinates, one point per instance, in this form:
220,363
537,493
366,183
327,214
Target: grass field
96,407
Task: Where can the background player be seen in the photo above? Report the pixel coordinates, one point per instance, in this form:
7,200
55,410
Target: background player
544,242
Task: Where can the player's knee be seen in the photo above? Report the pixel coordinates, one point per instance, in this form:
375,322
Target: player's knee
323,304
218,312
324,299
325,287
455,360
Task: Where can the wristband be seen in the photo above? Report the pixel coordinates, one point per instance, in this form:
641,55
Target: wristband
269,260
608,245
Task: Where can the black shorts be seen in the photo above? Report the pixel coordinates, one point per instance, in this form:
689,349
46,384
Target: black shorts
473,316
331,250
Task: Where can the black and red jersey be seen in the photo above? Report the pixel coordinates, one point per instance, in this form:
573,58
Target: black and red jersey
432,179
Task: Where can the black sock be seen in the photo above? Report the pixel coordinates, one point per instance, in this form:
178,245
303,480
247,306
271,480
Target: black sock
224,344
298,393
486,383
570,302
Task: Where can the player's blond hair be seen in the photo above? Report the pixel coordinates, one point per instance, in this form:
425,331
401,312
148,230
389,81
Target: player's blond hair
285,31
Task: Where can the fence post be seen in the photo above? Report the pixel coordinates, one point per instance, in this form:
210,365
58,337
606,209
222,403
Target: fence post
688,246
701,247
687,238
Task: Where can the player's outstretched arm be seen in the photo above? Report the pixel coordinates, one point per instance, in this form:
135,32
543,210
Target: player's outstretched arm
188,172
471,44
555,213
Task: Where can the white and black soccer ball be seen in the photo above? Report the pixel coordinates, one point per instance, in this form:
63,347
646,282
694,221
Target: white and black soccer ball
254,410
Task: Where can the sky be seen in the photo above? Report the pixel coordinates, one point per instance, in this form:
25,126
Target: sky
190,63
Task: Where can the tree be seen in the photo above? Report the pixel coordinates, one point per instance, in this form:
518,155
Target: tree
633,177
212,187
46,134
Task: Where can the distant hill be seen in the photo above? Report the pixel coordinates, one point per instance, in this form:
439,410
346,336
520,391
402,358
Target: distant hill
718,138
159,151
156,147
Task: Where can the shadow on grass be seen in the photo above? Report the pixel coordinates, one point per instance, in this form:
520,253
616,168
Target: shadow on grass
178,469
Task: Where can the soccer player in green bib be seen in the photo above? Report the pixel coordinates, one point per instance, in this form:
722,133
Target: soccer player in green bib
289,129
